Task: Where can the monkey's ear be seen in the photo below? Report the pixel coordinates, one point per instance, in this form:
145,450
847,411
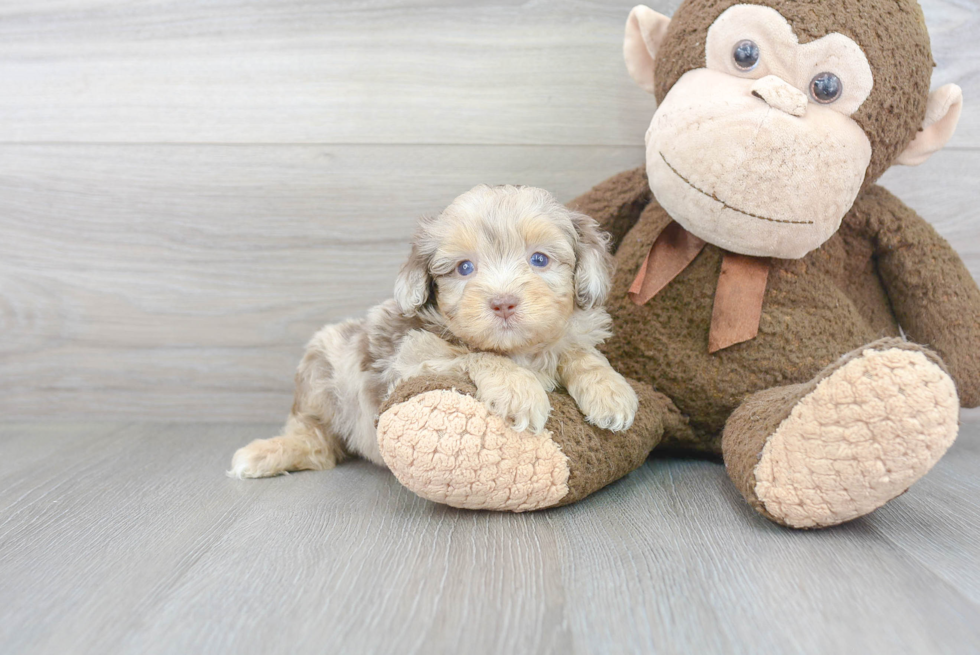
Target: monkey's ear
645,31
942,114
593,264
412,284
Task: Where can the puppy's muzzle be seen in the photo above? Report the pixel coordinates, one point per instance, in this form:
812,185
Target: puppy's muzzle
504,306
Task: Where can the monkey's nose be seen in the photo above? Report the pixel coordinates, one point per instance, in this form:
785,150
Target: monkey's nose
780,95
504,306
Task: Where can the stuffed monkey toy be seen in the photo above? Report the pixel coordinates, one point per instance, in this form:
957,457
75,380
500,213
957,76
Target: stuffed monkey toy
771,304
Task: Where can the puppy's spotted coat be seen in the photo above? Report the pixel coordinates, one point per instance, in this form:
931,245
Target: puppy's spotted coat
506,286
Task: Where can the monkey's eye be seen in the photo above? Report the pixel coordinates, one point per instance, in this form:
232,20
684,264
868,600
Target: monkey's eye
465,268
825,88
539,259
746,55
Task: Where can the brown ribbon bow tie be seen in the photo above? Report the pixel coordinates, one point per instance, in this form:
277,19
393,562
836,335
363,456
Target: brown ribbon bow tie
738,296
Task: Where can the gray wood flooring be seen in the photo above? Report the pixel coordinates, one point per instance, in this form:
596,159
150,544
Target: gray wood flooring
127,538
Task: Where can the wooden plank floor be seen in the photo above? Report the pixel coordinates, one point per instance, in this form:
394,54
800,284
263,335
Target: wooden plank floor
127,538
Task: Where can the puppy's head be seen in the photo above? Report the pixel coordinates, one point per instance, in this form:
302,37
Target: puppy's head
505,266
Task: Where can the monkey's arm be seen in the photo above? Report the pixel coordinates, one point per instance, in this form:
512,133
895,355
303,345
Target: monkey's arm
934,297
616,203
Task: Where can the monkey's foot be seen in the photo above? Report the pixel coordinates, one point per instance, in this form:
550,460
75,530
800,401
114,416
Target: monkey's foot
846,443
446,446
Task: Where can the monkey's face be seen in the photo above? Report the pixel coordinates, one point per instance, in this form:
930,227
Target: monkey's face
757,152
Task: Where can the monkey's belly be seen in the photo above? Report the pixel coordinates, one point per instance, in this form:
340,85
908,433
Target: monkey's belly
807,322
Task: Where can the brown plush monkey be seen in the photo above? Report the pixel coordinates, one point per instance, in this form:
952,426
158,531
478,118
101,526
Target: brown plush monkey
773,305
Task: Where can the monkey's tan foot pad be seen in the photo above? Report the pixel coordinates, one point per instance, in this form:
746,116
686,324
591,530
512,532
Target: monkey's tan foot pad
862,436
447,447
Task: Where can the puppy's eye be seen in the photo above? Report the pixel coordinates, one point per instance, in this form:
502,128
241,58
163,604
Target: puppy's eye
746,55
465,268
539,259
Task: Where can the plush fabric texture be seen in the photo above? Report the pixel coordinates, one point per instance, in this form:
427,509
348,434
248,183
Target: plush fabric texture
837,447
885,267
831,408
442,443
942,115
778,94
835,300
892,35
598,457
616,202
751,179
447,447
737,305
786,60
415,386
645,30
932,294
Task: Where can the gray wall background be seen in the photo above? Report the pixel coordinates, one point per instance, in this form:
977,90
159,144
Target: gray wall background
189,189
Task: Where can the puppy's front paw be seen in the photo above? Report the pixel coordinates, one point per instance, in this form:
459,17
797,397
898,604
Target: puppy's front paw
262,458
609,402
517,397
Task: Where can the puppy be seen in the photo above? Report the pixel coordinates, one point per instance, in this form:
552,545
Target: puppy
505,286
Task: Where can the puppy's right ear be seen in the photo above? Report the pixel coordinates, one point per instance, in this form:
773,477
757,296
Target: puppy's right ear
413,283
593,266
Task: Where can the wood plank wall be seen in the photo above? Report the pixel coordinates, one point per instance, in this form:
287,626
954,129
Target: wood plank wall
189,189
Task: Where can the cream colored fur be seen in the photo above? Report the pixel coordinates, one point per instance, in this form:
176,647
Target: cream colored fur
860,438
441,322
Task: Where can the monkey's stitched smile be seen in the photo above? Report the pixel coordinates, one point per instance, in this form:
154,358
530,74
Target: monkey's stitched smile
725,204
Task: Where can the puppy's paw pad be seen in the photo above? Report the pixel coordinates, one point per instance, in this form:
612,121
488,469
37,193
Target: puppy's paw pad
538,413
522,416
520,400
611,404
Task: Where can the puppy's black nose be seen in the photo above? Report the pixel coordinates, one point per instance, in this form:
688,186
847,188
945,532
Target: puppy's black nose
504,306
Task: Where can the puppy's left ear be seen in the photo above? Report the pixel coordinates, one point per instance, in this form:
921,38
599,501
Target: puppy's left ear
593,264
413,284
